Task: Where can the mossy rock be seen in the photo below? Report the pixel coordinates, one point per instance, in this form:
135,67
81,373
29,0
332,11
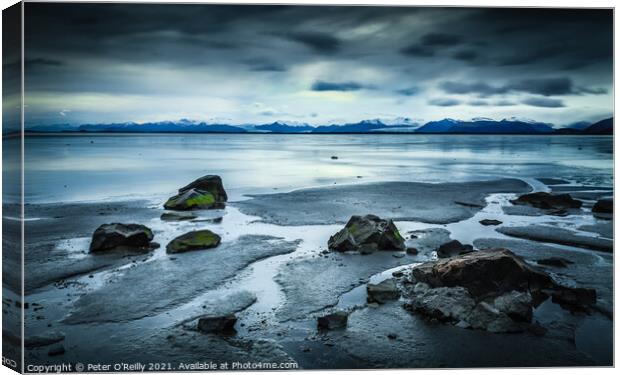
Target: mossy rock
210,184
192,199
195,240
367,234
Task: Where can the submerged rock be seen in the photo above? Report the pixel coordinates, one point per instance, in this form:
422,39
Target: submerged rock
382,292
548,201
177,216
453,248
195,240
367,234
487,222
604,205
204,193
337,319
117,235
217,324
554,262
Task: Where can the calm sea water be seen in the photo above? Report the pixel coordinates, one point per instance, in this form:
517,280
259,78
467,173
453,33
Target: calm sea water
98,167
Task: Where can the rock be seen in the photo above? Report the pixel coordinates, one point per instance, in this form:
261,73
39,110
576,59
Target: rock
548,201
517,305
574,299
392,336
367,234
382,292
554,262
217,324
453,248
192,199
337,319
443,304
211,184
487,222
177,216
334,157
604,205
195,240
500,276
126,236
456,305
55,350
412,250
487,317
484,272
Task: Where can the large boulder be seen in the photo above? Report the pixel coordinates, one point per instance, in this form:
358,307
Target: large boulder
204,193
210,183
604,206
382,292
367,234
492,289
484,272
452,248
548,201
195,240
121,236
217,324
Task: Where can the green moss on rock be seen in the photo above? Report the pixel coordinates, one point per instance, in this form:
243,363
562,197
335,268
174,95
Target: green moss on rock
195,240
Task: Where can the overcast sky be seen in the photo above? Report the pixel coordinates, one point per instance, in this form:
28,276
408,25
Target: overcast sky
95,63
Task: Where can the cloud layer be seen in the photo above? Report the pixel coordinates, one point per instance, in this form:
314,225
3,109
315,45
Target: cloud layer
246,64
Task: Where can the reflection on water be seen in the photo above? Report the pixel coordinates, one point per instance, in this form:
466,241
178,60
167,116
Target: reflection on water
94,167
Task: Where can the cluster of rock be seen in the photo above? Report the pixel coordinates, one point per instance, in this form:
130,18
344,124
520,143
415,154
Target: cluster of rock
493,290
554,204
204,193
367,234
559,204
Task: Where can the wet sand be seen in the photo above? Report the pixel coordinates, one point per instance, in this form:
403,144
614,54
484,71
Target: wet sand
272,271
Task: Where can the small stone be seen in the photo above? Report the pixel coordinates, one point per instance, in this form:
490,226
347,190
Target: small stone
334,157
337,319
392,336
487,222
217,324
412,251
383,291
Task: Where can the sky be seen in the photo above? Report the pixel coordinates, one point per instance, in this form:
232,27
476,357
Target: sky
103,63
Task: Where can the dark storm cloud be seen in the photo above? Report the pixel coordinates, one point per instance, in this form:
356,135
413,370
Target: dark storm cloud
337,86
439,39
320,42
444,102
479,88
540,86
466,55
227,51
543,102
430,43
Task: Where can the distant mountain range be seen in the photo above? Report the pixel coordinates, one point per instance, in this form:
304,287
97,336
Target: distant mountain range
474,126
